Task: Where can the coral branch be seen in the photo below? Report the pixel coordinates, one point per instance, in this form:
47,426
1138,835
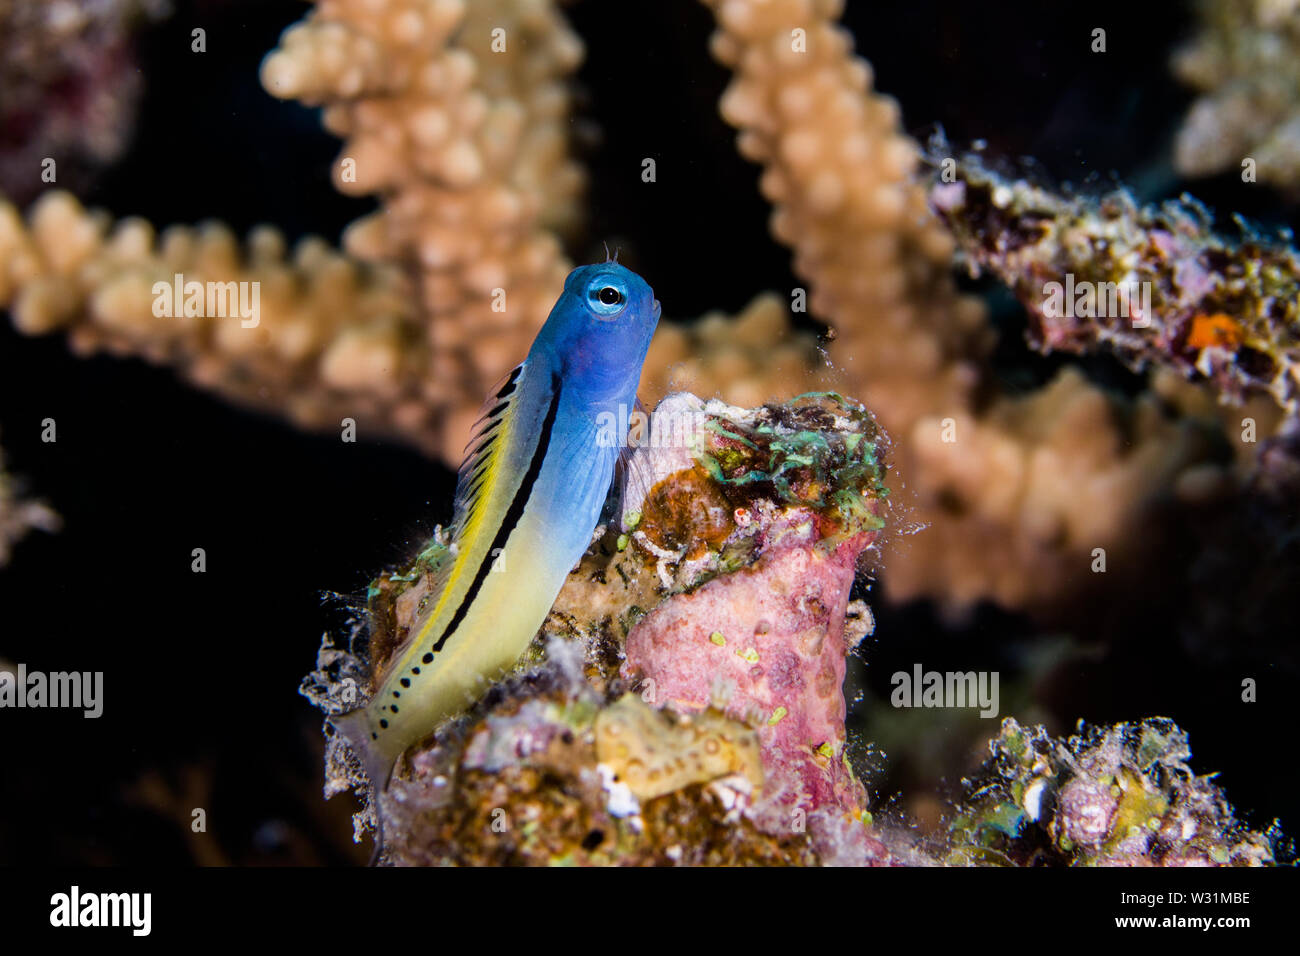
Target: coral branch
1152,284
454,116
333,338
838,170
1012,504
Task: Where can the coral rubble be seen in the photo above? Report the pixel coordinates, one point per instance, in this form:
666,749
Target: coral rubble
683,704
692,708
1152,284
1108,796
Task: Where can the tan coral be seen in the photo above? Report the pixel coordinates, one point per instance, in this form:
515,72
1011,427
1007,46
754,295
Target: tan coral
331,338
454,114
443,288
1011,511
752,358
1055,466
838,168
1244,64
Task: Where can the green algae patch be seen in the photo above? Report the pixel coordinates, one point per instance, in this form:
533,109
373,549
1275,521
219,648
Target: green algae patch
819,451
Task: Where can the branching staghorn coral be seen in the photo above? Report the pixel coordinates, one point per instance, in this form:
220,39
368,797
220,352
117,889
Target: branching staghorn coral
331,338
1013,505
440,291
454,114
838,170
1107,796
1246,64
463,143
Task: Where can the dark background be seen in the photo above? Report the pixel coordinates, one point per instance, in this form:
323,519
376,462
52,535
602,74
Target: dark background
201,670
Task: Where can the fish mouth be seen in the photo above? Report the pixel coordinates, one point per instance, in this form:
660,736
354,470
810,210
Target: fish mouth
657,310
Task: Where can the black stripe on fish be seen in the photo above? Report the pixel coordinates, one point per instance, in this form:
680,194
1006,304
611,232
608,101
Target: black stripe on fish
512,516
481,448
485,443
509,386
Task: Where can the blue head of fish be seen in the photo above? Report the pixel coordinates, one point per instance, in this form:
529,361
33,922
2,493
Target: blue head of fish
599,331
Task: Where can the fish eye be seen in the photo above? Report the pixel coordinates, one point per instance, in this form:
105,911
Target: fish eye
606,298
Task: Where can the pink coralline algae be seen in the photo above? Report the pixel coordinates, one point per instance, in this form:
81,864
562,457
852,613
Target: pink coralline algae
769,641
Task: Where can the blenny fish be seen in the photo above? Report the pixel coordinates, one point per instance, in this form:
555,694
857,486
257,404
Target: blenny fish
528,497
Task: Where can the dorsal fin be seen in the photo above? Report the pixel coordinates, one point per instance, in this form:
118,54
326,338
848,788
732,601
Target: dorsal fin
481,451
